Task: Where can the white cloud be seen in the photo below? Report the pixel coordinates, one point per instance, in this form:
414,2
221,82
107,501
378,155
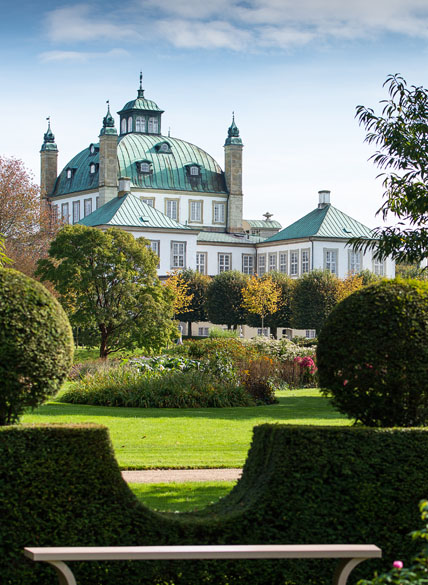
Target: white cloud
80,23
208,35
79,56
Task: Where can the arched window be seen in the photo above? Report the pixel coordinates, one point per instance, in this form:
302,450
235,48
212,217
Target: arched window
140,124
69,174
129,124
92,169
164,147
194,171
123,126
153,125
144,167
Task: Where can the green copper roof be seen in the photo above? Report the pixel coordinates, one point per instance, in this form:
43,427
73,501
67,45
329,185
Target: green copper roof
140,103
81,179
222,238
130,211
233,134
263,224
49,138
169,171
327,222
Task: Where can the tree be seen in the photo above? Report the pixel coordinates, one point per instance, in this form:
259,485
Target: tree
108,280
224,299
179,288
400,134
3,258
28,227
282,316
261,296
198,286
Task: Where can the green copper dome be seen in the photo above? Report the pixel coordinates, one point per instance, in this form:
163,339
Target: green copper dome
141,104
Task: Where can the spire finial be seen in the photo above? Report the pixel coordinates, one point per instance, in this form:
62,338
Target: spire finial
108,120
141,90
48,137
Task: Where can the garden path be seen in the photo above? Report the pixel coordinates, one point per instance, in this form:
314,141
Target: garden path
180,475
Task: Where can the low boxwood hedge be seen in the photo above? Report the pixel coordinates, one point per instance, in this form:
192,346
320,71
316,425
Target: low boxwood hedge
61,486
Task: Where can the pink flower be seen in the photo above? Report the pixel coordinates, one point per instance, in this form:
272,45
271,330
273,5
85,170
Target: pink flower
397,564
345,382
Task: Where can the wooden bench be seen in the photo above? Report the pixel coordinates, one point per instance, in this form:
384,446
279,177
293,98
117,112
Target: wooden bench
350,555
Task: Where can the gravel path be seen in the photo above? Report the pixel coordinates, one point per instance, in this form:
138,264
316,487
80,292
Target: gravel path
180,475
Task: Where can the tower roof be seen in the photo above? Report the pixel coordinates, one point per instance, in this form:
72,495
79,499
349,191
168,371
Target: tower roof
108,123
49,138
141,103
233,133
326,222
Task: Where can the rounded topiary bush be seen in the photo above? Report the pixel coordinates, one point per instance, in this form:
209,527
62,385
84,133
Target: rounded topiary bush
372,354
36,344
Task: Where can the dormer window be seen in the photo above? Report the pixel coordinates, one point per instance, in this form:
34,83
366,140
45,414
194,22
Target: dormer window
92,149
153,125
194,171
92,168
70,172
144,167
140,124
123,126
163,147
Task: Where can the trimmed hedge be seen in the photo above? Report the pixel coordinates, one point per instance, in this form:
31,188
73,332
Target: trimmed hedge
36,344
61,486
373,352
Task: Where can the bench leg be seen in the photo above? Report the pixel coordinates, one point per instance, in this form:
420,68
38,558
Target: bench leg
63,572
344,569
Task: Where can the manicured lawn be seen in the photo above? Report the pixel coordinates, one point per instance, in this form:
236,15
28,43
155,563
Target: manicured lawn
192,438
181,497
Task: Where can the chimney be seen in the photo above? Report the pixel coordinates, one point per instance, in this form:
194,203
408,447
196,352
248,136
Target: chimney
324,199
124,186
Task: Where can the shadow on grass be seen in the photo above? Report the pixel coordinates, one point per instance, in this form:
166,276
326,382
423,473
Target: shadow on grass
288,409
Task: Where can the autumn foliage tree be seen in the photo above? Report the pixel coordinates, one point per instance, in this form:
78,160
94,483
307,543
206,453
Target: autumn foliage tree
261,296
179,287
197,286
27,227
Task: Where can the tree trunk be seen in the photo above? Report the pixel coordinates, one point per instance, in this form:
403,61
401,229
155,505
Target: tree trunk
103,344
189,329
274,332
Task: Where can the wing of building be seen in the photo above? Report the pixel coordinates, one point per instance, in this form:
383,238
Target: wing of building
190,209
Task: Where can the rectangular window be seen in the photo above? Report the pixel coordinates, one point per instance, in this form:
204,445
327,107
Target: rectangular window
294,263
203,331
150,202
354,262
171,210
283,262
264,331
310,334
76,211
261,264
330,260
219,212
97,202
155,246
305,261
201,262
272,261
87,206
379,267
195,211
178,254
65,213
224,262
248,263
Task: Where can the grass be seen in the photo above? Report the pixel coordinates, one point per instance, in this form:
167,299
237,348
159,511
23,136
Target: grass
190,438
181,497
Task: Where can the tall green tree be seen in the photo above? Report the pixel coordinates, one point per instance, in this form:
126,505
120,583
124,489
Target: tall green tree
198,287
400,134
224,299
261,296
108,279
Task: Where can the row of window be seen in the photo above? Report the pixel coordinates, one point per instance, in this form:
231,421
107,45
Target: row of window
93,168
145,167
140,124
196,210
65,210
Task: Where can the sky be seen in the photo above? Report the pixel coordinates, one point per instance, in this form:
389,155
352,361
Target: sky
293,71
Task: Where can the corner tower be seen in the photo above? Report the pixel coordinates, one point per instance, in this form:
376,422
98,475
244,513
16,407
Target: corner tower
108,159
233,174
48,163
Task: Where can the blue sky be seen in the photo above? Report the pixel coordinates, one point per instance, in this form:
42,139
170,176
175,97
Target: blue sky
293,72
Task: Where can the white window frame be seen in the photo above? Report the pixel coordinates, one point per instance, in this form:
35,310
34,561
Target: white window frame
203,331
196,207
201,262
155,246
305,258
129,124
172,208
140,124
379,267
273,261
294,262
355,262
97,202
65,212
261,264
219,212
194,171
283,262
248,263
87,207
144,167
153,126
92,168
310,333
331,260
123,126
69,173
224,262
178,254
263,332
76,211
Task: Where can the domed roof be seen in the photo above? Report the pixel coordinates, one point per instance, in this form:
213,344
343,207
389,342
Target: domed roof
168,166
141,103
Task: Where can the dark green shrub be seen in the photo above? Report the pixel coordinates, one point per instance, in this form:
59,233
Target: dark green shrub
36,344
61,486
372,354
